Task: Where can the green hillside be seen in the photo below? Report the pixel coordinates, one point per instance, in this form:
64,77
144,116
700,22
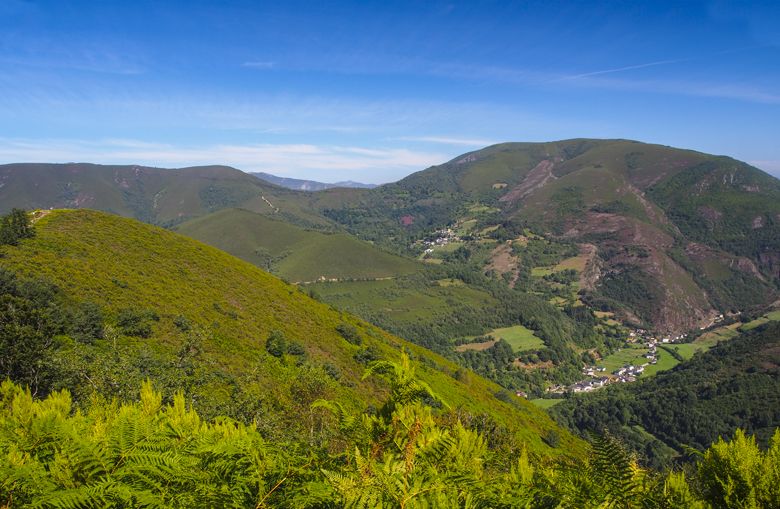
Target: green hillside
679,236
237,340
736,384
292,252
153,195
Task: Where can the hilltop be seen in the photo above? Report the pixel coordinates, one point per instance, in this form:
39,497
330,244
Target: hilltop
237,340
670,238
153,195
292,252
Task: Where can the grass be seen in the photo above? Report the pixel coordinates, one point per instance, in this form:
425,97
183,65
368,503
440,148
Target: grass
627,355
546,402
769,317
450,282
575,262
519,337
122,263
542,271
402,303
293,252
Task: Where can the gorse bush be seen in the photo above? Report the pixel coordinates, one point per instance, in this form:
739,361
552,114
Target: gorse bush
150,454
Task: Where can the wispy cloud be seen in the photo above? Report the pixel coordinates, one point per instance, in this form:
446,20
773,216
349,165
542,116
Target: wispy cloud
262,64
445,140
298,160
620,69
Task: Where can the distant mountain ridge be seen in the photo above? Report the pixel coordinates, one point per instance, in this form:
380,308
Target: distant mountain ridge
308,185
153,195
672,237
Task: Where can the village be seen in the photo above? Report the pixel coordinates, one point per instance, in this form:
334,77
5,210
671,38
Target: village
598,377
441,237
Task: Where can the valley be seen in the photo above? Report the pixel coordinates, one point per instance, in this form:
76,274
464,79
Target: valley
538,288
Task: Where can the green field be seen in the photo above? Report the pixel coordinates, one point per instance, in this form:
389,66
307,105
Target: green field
627,355
295,253
665,361
400,302
769,317
546,402
541,271
519,338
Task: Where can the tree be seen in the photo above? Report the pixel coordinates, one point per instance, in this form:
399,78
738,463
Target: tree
26,343
14,227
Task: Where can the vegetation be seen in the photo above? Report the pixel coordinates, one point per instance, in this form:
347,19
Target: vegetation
734,385
149,453
292,252
14,227
97,304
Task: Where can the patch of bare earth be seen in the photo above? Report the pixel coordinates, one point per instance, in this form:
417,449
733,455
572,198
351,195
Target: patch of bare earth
538,365
535,179
592,272
683,304
484,345
503,261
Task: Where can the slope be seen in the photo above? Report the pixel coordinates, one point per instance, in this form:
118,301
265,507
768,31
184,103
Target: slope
153,195
292,252
194,318
736,384
677,236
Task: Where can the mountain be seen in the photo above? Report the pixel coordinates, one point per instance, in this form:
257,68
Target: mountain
153,195
308,185
117,301
734,385
292,252
669,238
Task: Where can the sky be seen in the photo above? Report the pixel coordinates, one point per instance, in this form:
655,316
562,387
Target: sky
372,91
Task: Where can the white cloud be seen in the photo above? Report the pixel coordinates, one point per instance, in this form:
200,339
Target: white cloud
466,142
297,160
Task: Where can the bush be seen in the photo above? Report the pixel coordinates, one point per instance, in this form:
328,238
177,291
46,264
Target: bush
350,333
136,322
87,325
367,355
276,344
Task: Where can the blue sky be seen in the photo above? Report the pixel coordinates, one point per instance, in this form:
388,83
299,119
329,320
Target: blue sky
372,91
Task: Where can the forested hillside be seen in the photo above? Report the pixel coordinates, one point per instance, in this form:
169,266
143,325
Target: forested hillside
667,229
153,195
734,385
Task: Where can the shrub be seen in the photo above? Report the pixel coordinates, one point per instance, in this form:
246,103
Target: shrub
136,322
350,333
276,344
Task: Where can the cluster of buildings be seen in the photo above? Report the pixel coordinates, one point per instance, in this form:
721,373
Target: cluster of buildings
627,373
440,238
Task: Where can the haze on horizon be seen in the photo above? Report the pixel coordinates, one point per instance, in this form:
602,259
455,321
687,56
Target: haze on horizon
372,91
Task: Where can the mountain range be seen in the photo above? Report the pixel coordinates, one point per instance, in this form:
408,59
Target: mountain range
670,238
508,273
308,185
